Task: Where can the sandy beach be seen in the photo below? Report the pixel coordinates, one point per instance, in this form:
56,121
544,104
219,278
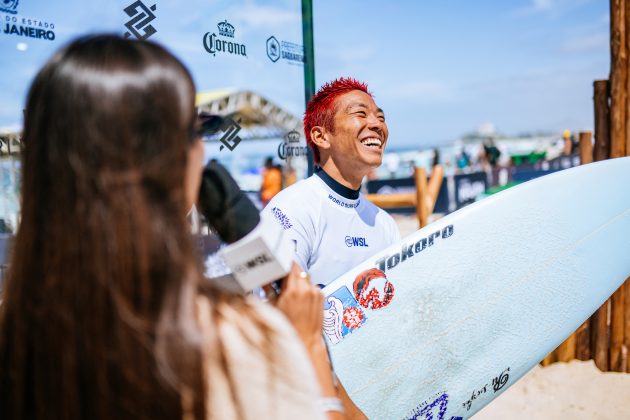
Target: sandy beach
576,390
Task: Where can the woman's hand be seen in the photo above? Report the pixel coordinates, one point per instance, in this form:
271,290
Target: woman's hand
303,305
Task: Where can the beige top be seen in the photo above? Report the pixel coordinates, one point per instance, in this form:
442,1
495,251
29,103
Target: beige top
285,389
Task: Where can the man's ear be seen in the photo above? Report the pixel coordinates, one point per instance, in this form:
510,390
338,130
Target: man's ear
319,136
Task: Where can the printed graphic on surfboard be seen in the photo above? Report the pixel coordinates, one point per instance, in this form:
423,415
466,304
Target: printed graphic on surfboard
344,312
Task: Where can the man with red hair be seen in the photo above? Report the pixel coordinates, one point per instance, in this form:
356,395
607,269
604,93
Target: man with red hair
334,227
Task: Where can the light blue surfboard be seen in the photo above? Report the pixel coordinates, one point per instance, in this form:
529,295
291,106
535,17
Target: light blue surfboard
440,324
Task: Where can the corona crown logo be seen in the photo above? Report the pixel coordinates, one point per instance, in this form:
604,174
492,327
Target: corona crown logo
226,29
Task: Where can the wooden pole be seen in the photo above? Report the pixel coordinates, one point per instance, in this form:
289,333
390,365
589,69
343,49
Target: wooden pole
566,351
551,358
626,342
602,120
618,78
583,334
583,341
421,191
387,201
617,328
599,337
586,147
618,110
433,187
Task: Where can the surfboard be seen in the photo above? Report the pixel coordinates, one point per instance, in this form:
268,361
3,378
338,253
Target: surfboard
440,324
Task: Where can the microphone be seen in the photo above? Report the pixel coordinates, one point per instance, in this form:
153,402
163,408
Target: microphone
257,251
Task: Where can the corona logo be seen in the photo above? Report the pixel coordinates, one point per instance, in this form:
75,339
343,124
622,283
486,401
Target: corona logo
226,29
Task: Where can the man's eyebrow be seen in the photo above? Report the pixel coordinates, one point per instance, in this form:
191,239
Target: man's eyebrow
362,105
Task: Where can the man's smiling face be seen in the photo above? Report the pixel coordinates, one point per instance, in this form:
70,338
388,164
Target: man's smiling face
360,132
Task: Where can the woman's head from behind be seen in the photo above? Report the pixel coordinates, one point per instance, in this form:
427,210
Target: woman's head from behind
105,112
103,272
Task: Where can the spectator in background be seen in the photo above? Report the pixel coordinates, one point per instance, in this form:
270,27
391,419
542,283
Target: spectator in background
271,181
492,154
567,148
463,161
436,158
106,314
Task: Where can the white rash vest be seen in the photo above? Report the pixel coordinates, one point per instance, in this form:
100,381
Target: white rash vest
333,227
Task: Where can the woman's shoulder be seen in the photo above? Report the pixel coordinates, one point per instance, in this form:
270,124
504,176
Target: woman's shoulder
253,346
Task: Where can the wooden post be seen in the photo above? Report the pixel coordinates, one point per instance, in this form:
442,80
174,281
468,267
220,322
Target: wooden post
617,328
421,191
582,335
566,351
618,118
551,358
626,341
586,147
602,120
433,187
626,5
583,341
618,78
599,337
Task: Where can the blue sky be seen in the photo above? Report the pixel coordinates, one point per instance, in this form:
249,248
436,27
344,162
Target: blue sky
439,69
442,68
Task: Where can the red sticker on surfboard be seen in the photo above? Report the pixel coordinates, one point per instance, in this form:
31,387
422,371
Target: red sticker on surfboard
353,317
372,289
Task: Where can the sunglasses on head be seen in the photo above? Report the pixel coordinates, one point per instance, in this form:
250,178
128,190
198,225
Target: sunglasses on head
208,124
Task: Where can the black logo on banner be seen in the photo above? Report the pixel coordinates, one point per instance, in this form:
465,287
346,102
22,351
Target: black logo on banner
230,129
9,6
213,43
290,147
226,29
21,26
141,17
273,49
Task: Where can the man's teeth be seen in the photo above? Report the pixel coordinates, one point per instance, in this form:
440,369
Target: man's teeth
372,141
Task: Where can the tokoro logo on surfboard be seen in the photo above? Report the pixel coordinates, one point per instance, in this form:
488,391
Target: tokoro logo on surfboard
343,313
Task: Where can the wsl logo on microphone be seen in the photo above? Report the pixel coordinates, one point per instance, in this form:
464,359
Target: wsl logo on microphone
224,42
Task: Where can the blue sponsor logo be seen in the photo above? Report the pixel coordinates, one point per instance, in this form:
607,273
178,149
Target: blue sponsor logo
282,218
356,241
9,6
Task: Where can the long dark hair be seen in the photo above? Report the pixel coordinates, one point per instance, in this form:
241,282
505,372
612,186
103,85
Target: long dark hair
98,315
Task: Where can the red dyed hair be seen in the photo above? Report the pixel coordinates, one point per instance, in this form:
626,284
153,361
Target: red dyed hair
320,110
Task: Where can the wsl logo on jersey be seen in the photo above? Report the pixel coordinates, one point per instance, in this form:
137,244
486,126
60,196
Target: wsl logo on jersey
214,43
355,241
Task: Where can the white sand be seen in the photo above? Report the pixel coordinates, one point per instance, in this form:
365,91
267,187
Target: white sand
575,390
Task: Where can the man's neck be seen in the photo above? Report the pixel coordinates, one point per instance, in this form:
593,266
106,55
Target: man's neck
346,177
